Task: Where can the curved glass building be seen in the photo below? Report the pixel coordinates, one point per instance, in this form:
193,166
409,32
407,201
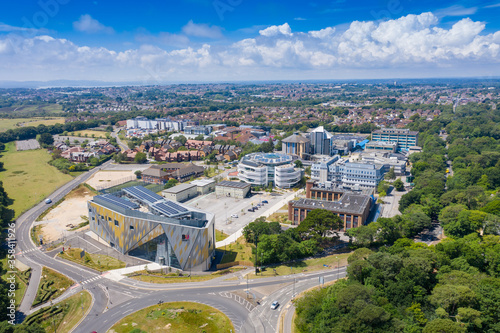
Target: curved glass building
261,169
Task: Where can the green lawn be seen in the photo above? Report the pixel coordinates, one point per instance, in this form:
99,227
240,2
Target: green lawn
27,110
28,178
20,284
98,262
88,134
178,317
309,265
63,316
52,285
7,123
174,278
238,251
219,235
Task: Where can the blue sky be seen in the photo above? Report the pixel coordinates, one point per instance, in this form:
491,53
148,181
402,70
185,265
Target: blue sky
213,40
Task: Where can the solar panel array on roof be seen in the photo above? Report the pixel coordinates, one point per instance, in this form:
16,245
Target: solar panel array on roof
143,194
118,201
169,208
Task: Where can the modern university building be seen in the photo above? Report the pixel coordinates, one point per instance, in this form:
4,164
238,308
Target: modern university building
138,222
260,169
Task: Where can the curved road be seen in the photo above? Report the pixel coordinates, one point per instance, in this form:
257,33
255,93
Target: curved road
114,300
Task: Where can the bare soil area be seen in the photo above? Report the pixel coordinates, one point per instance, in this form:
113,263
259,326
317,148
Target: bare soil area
107,179
68,214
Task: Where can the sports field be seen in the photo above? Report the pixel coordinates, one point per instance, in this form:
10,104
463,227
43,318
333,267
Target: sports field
28,178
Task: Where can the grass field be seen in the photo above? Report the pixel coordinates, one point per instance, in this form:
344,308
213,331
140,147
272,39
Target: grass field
238,251
99,262
88,134
6,124
309,265
173,278
179,317
52,285
69,316
219,235
27,110
28,178
20,284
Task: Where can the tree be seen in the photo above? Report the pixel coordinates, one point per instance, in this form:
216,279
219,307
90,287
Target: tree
443,326
140,158
200,137
259,227
318,222
399,185
181,139
138,174
171,183
45,139
298,164
390,174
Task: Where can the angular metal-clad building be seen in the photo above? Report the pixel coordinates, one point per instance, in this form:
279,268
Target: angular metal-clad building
140,223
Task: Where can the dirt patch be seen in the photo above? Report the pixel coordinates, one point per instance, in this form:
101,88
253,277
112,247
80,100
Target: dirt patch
61,219
107,179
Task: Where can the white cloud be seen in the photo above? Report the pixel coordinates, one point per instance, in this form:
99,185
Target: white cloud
299,19
87,24
456,10
10,28
202,30
276,30
493,5
410,46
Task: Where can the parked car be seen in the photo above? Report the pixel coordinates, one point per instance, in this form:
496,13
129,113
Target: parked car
235,216
275,305
251,210
265,201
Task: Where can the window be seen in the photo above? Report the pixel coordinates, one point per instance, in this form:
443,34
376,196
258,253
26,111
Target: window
116,223
132,227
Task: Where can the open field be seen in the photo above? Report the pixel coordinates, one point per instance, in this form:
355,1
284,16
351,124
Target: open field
52,285
65,215
63,316
238,251
27,110
99,262
88,134
28,178
6,124
20,284
309,265
106,179
179,317
174,278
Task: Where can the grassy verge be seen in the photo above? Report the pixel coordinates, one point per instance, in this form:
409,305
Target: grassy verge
48,210
309,265
22,279
28,178
36,232
237,251
176,278
99,262
52,285
179,317
63,316
219,235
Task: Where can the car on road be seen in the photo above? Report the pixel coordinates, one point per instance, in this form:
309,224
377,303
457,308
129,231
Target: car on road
234,216
265,201
275,305
48,201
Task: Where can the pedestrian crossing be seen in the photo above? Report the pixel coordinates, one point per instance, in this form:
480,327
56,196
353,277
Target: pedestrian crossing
28,251
95,278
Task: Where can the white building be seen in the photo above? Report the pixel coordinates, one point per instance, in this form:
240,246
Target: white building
339,171
260,169
145,125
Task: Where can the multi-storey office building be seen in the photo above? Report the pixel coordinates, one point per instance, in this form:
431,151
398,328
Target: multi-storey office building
353,207
296,145
260,169
402,136
139,222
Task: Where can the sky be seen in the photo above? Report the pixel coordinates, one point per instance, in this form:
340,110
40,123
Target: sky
154,42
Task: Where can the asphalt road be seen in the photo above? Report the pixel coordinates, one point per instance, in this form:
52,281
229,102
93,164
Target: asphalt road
113,300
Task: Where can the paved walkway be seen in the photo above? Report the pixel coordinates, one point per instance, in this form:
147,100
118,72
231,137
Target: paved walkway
232,238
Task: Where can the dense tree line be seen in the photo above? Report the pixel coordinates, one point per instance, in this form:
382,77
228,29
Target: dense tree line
409,287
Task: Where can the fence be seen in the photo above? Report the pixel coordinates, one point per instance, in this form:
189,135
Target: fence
113,183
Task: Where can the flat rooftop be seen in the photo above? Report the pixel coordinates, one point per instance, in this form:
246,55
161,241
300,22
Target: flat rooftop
226,183
349,204
179,188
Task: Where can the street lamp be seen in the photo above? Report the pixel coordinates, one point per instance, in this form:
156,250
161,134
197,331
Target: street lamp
189,258
338,266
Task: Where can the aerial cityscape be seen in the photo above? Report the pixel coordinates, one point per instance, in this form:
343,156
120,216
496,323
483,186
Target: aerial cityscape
230,166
